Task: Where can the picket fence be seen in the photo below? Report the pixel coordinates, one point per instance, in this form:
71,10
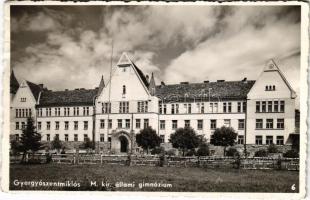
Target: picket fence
170,161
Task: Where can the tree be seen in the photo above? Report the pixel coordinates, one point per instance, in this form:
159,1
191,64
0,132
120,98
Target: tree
224,136
148,139
185,138
56,144
15,147
203,150
88,144
30,139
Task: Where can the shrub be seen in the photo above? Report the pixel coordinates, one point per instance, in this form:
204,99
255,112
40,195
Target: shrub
291,154
157,150
203,150
191,152
232,152
171,152
261,153
272,148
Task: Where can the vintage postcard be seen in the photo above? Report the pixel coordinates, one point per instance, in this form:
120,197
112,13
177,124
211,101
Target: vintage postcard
199,99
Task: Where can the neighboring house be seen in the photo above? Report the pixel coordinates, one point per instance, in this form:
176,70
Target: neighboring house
262,111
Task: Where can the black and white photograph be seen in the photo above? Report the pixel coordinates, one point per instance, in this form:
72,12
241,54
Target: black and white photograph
147,97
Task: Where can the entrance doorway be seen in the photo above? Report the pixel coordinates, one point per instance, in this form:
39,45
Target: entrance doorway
124,144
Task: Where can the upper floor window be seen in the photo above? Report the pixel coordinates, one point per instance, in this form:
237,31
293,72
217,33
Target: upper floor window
124,107
142,106
127,123
85,125
199,124
138,123
106,107
23,99
213,124
174,124
124,89
270,88
85,111
162,124
146,123
57,125
200,107
187,123
76,111
188,108
240,124
101,123
227,122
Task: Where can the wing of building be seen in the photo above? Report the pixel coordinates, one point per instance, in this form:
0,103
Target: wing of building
261,111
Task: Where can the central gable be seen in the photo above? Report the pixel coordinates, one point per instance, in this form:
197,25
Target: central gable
127,83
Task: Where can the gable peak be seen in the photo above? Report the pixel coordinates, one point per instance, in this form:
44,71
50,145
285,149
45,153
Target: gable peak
271,66
124,60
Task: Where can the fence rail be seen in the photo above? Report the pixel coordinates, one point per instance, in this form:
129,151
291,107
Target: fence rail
170,161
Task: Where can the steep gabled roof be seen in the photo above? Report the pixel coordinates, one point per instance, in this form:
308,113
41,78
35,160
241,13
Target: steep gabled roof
228,90
141,75
35,89
14,85
78,97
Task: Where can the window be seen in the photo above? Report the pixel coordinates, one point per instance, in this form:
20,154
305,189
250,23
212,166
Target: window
39,125
160,108
106,107
211,107
282,106
269,139
40,112
177,108
110,123
66,137
240,139
280,140
215,107
101,123
165,108
23,125
259,123
146,123
227,122
269,106
269,123
212,138
162,124
162,139
48,137
243,106
199,124
280,123
124,89
264,106
76,111
119,123
240,124
85,137
23,99
200,107
56,125
172,109
57,136
16,125
276,106
213,124
187,123
57,111
101,137
48,125
188,108
174,124
127,123
142,106
66,125
76,125
273,87
224,107
239,107
229,107
258,140
17,137
76,137
48,111
85,125
85,111
138,123
124,107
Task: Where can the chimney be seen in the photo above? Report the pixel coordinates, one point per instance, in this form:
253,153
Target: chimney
162,83
41,86
184,83
147,78
244,79
219,81
206,81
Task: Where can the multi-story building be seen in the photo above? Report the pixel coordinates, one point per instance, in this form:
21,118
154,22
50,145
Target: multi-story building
262,111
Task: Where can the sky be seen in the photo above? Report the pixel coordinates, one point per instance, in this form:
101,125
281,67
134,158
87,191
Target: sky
67,47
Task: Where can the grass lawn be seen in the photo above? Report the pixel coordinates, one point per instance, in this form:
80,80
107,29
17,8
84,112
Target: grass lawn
181,179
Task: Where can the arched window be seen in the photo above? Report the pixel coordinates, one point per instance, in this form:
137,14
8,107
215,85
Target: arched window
273,87
266,88
124,89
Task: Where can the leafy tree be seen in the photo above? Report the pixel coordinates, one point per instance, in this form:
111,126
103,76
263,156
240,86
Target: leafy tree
56,144
224,136
148,139
292,153
203,150
15,147
30,139
185,138
88,144
261,153
272,148
232,152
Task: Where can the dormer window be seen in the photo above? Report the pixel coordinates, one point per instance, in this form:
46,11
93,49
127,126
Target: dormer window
124,89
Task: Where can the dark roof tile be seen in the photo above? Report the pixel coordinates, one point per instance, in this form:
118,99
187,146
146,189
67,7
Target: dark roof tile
35,89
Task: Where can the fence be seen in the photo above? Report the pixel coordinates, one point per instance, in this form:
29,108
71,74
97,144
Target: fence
169,161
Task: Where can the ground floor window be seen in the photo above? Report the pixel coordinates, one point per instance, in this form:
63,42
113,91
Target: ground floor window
200,124
280,140
48,137
101,137
258,140
138,123
212,139
127,124
240,139
102,123
162,124
162,138
76,137
17,137
66,137
187,123
269,139
85,137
